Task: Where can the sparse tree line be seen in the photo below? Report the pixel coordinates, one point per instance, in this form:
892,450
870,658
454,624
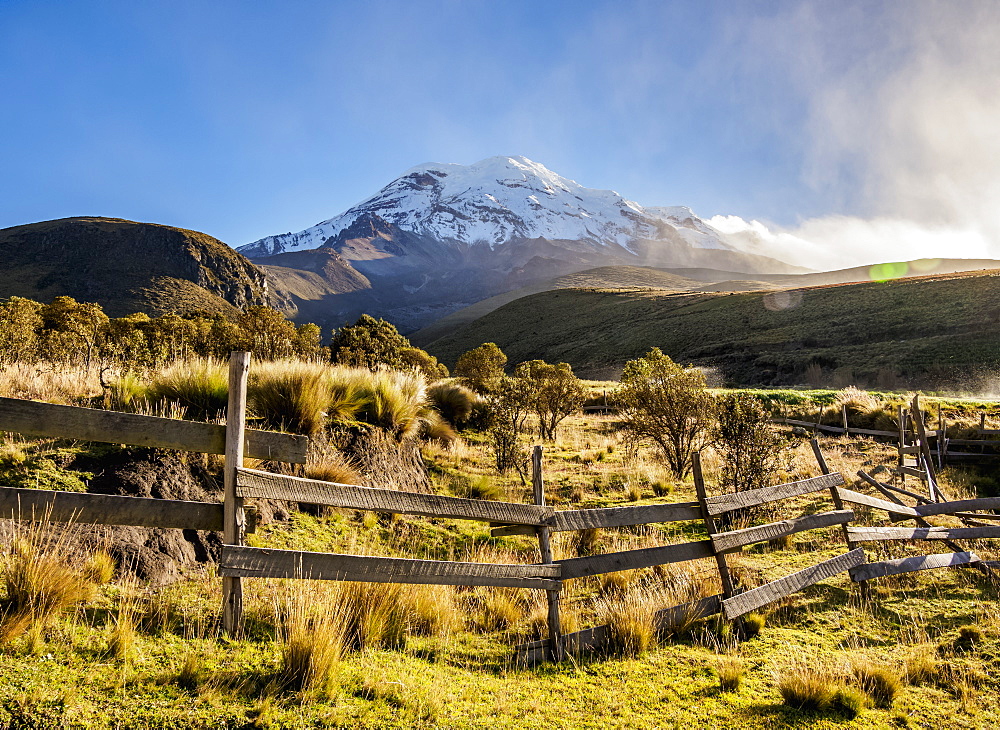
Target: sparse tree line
659,402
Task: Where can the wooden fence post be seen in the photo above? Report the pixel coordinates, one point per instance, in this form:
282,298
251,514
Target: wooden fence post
839,504
720,558
545,548
843,416
901,461
234,518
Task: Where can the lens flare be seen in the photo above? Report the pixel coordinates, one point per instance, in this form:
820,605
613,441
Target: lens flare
884,272
778,301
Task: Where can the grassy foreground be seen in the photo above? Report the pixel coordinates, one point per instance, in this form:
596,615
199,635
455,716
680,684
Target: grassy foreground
134,656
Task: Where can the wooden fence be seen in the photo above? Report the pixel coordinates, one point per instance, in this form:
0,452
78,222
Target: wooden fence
911,431
237,561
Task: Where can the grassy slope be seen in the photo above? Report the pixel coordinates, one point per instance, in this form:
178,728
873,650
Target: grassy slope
463,681
916,327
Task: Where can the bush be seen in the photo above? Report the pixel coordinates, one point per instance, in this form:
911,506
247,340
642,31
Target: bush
667,405
553,393
482,367
747,443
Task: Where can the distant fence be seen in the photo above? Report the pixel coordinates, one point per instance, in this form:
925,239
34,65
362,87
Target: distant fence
238,561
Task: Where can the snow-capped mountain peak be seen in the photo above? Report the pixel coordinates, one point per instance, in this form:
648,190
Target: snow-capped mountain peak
498,200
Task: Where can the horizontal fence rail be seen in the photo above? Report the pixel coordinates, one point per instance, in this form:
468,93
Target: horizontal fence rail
251,483
108,509
585,519
248,562
47,420
633,559
886,534
885,568
735,539
752,497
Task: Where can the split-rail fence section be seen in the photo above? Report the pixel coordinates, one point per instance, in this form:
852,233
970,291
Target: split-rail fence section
238,561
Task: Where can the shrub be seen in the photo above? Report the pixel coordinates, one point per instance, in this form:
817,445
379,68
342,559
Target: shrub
747,443
200,386
452,400
289,395
807,688
880,682
668,405
553,393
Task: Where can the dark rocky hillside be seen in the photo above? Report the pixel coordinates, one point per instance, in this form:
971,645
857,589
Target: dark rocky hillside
127,266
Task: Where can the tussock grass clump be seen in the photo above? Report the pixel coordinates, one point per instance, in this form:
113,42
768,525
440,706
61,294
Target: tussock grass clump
851,701
191,673
921,667
880,682
499,609
312,635
128,393
344,388
394,401
750,625
328,464
452,400
41,575
99,568
122,630
481,487
806,687
631,621
730,671
435,428
968,639
289,395
200,386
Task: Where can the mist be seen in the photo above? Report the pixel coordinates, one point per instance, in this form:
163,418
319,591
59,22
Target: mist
900,134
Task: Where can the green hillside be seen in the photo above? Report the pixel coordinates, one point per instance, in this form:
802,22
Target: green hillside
942,330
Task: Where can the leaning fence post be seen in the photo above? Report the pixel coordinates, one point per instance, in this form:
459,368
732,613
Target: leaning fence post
234,518
545,547
720,558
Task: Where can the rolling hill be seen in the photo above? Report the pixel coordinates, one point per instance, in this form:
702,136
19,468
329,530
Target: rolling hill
127,267
939,329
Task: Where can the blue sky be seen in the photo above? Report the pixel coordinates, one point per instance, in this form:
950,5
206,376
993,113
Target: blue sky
244,119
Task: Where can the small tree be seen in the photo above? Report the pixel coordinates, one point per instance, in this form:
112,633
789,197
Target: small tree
555,393
508,410
369,343
482,367
668,405
748,445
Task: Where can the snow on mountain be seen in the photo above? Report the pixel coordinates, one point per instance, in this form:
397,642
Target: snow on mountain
500,199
